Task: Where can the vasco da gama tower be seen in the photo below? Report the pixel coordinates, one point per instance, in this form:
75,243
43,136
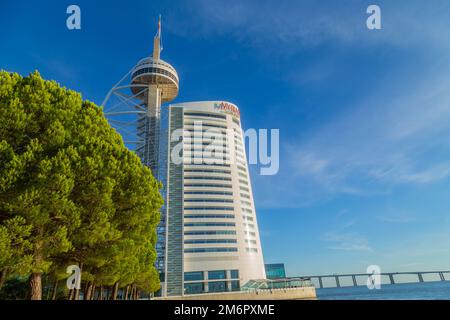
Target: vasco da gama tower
208,238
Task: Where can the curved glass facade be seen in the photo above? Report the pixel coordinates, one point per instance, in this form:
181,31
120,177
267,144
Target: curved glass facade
216,227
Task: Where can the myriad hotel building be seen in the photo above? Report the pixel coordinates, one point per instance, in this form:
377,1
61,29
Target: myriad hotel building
208,239
212,240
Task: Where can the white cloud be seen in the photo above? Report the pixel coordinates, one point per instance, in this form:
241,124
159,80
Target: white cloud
397,218
346,242
289,26
397,136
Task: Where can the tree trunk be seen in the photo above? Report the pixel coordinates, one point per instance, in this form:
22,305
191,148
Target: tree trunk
77,291
115,290
2,278
54,290
88,290
110,292
71,294
133,289
93,291
134,292
36,286
126,292
101,293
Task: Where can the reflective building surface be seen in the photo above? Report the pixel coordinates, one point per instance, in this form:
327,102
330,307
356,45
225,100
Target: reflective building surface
212,242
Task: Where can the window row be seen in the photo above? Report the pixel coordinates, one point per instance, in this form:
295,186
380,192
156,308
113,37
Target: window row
209,224
207,178
209,208
209,200
209,232
207,185
208,115
225,193
201,241
209,216
207,170
208,250
155,70
206,125
218,165
215,286
212,275
204,143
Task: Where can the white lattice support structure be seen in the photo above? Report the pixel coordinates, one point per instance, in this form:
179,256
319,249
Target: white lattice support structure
133,107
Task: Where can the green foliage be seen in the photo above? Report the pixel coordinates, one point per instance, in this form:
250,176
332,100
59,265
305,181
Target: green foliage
14,289
14,246
70,191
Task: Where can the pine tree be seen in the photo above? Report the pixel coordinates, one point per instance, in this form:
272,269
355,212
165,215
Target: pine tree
14,244
71,189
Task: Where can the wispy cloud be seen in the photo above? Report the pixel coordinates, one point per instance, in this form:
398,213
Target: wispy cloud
346,241
397,218
429,248
394,137
291,26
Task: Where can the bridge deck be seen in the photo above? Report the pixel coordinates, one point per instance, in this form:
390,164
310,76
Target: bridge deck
391,275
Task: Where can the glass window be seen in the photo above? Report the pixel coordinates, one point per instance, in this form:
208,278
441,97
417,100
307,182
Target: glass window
218,274
210,208
209,224
216,232
235,285
226,193
275,271
220,286
234,274
195,114
207,250
207,185
193,276
194,288
208,178
208,200
209,216
195,241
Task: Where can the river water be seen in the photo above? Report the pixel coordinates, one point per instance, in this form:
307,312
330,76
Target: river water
439,290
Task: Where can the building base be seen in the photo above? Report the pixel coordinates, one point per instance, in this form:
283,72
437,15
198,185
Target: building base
304,293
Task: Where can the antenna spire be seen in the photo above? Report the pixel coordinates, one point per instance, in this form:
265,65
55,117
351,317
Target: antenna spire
159,26
157,45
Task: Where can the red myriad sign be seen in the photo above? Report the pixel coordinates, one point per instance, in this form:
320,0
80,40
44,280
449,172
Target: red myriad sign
228,108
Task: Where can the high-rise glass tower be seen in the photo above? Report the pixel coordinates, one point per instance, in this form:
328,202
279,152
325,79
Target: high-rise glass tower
208,239
212,242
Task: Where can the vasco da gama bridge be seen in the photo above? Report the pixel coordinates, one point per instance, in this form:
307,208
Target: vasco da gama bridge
365,276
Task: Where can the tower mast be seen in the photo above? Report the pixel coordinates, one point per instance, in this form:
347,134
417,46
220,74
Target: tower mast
140,94
157,42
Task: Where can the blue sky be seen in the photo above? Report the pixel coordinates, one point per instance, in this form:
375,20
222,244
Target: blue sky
364,116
